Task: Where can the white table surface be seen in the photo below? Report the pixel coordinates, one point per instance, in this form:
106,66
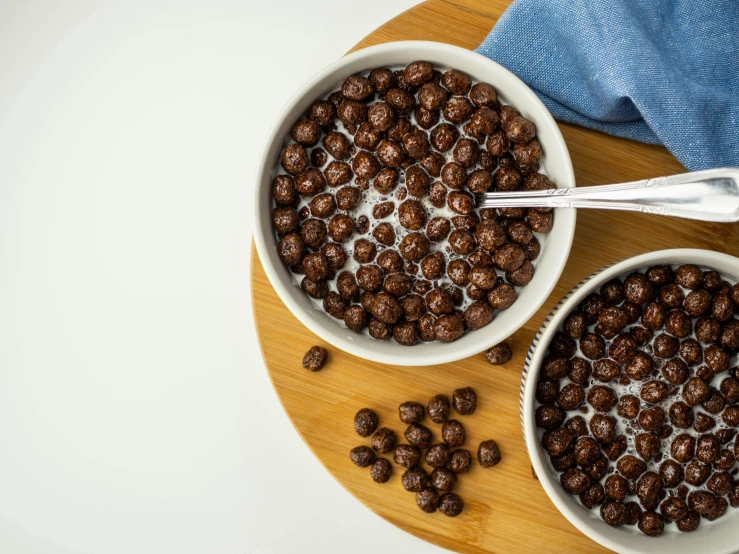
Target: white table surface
135,411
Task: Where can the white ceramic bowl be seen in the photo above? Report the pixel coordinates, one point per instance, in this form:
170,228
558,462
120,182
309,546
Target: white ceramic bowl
716,537
555,245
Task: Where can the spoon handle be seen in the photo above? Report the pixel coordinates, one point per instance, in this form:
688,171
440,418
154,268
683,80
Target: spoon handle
709,195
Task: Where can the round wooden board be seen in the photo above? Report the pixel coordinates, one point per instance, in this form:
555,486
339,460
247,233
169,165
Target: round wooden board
506,509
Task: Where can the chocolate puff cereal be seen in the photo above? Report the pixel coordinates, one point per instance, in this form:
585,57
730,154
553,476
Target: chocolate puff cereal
638,398
373,193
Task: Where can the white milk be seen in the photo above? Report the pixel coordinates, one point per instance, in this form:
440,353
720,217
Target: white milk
626,427
371,197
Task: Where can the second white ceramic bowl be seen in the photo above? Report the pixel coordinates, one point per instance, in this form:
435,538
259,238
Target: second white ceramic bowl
555,245
717,537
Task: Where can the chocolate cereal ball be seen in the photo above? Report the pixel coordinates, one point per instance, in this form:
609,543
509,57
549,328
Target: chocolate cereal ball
291,248
592,496
283,191
444,136
414,479
575,481
651,523
414,307
681,415
601,398
414,246
406,455
519,130
379,330
412,215
365,422
306,132
438,408
478,315
730,389
427,500
451,504
671,296
464,401
678,324
432,163
355,318
442,479
431,96
438,455
416,144
337,174
651,419
483,95
628,406
362,456
586,451
616,487
521,276
390,153
571,397
695,391
347,286
488,454
689,276
631,467
285,220
294,159
613,513
647,445
557,441
315,359
466,152
381,471
672,473
499,354
411,412
603,428
418,435
438,229
456,82
449,328
592,346
452,433
322,113
335,255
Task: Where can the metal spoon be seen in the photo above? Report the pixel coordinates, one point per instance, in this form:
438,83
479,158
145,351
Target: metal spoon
710,195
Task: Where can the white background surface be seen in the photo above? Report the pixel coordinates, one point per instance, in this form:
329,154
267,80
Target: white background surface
135,411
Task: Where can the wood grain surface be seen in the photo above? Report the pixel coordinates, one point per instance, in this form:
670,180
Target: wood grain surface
506,509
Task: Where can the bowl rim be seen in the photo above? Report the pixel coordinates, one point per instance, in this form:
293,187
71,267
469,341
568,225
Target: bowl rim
536,354
566,219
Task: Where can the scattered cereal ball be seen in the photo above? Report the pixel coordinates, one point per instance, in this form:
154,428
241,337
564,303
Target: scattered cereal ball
464,401
418,435
450,504
406,455
460,461
365,422
414,479
362,456
499,354
438,408
428,500
488,453
315,359
452,433
381,470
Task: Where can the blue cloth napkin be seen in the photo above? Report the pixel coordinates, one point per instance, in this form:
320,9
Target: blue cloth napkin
656,71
